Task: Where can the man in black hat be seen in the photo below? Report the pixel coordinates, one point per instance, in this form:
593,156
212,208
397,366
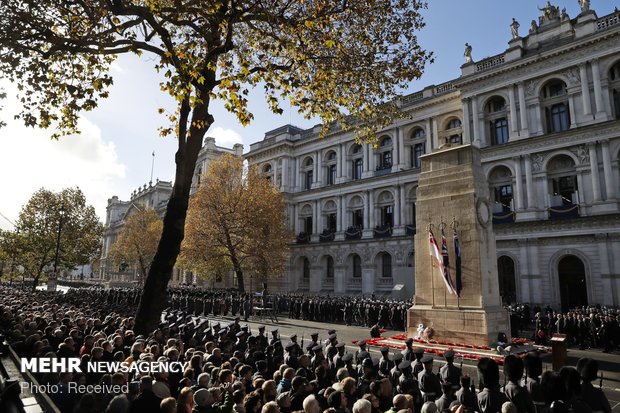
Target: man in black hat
592,396
330,346
336,361
418,353
317,350
490,399
533,370
465,396
429,383
293,338
261,339
348,363
362,348
446,398
385,364
241,344
290,359
395,371
274,337
518,395
449,372
408,352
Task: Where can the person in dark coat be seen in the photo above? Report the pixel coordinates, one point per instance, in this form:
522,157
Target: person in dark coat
465,396
146,400
449,372
490,399
429,383
518,395
594,397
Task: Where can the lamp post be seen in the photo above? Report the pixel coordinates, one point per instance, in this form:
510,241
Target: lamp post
61,213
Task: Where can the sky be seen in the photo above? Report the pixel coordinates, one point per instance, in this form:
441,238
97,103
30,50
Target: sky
113,155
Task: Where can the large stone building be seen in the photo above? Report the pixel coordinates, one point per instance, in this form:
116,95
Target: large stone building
546,115
151,196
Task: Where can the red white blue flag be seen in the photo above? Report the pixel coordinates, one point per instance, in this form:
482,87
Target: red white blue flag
438,261
446,264
457,253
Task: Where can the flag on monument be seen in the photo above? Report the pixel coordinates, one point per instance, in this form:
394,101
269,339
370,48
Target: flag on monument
446,264
457,254
435,255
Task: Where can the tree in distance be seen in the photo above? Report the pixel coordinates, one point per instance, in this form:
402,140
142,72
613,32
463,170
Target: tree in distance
343,61
235,223
56,221
137,241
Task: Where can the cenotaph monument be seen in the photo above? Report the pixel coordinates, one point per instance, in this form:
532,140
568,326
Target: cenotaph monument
453,192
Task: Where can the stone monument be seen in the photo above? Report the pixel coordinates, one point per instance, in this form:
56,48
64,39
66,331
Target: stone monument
453,187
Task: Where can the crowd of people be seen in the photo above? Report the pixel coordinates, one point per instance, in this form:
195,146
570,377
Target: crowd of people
226,369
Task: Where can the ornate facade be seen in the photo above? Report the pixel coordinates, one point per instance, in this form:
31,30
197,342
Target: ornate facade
156,197
546,115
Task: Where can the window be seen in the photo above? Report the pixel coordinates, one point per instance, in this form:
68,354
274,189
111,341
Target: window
305,269
357,168
329,267
454,123
503,196
357,220
565,187
387,216
307,225
357,266
385,153
418,151
499,131
331,174
331,222
455,139
558,119
555,104
386,265
453,132
614,87
419,134
309,178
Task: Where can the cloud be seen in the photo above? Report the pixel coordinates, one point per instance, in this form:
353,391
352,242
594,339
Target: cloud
30,160
224,137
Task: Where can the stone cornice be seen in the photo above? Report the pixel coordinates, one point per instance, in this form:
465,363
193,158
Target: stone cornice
579,227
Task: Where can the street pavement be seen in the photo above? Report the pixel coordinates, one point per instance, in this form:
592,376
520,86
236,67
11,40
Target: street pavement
609,362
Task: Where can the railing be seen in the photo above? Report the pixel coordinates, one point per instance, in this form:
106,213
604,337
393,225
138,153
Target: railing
303,238
564,212
503,217
414,97
353,233
383,232
385,281
327,236
383,170
491,62
354,283
328,282
608,21
410,230
444,88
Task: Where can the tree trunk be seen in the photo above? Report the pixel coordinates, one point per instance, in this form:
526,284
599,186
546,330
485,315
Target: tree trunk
153,299
240,286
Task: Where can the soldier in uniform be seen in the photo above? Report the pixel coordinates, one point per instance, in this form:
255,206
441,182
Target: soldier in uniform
533,370
593,397
429,383
293,338
408,352
348,363
336,361
449,372
362,348
395,371
317,350
261,338
518,395
385,364
465,396
490,399
330,346
418,353
274,337
446,398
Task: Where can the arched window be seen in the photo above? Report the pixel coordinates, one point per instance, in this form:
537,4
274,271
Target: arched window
454,132
357,266
386,265
330,166
500,182
418,151
562,175
385,153
329,267
308,173
614,87
306,268
555,103
497,118
357,162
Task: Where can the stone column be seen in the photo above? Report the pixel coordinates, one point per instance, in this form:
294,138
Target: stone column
368,280
585,91
610,185
371,210
342,163
343,212
400,155
318,169
474,109
371,160
523,273
572,112
598,91
435,137
339,279
315,217
514,122
429,136
404,217
594,172
397,206
367,211
285,184
297,174
319,217
518,198
466,122
365,160
522,110
296,223
529,183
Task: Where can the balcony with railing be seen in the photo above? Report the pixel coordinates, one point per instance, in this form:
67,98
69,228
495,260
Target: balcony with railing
328,235
353,233
384,283
354,284
383,231
303,238
608,21
564,207
384,169
490,62
410,230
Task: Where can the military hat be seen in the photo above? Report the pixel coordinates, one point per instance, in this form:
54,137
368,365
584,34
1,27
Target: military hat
385,349
397,357
418,350
361,342
310,345
240,334
362,355
426,359
222,332
261,328
274,331
448,354
347,357
331,331
340,345
313,335
332,337
290,345
409,341
252,339
367,362
293,336
317,348
403,365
